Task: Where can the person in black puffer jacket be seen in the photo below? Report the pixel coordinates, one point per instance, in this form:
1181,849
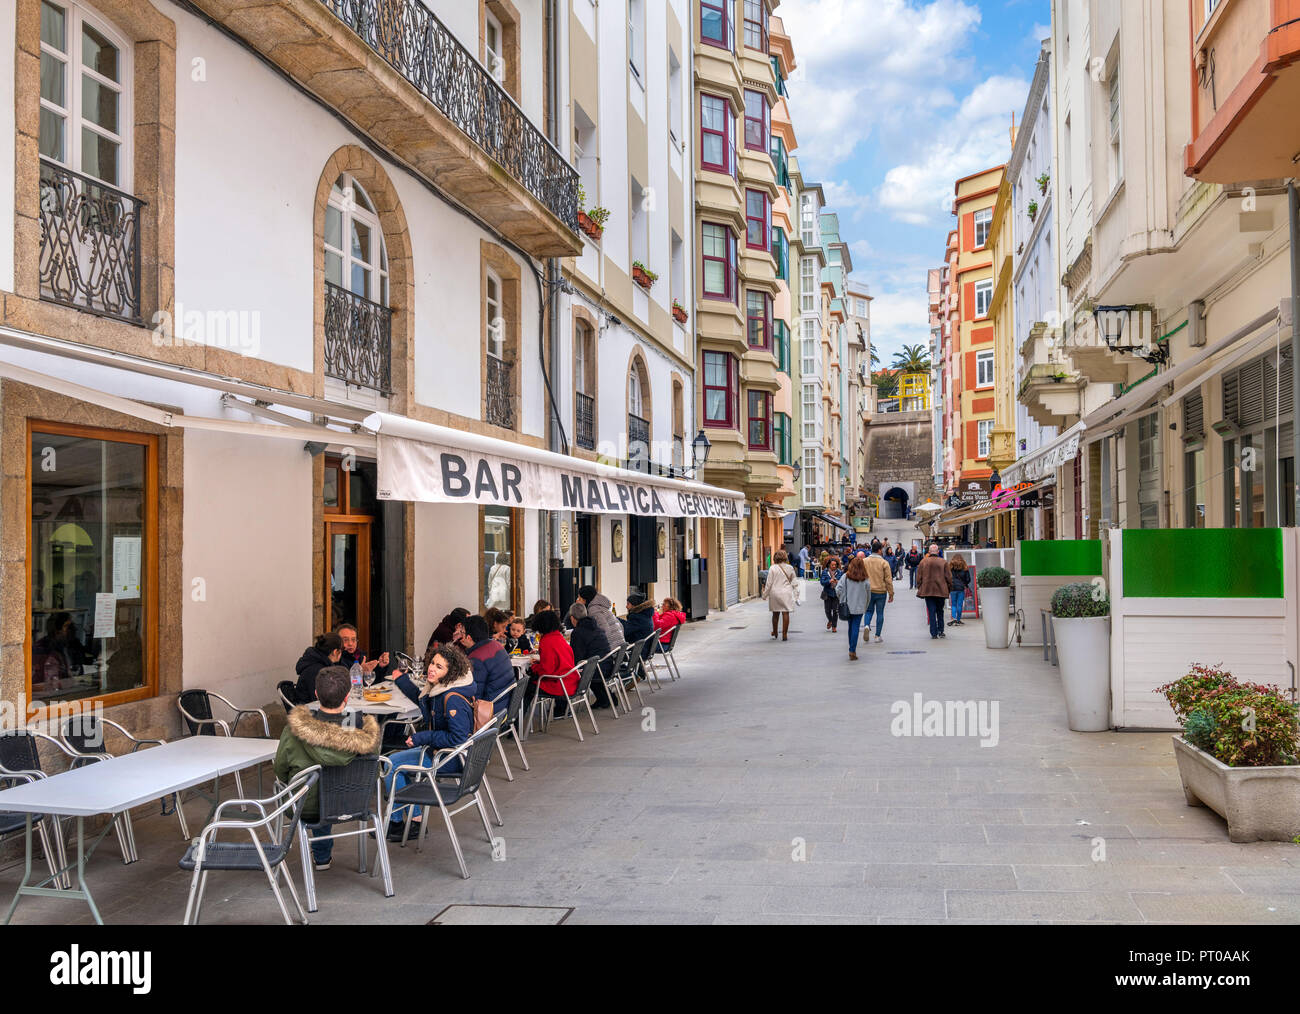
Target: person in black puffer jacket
589,641
327,650
640,621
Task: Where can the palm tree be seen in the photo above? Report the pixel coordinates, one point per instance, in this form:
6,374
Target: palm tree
875,358
912,359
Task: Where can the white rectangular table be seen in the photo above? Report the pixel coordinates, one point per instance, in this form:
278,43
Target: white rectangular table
398,706
119,784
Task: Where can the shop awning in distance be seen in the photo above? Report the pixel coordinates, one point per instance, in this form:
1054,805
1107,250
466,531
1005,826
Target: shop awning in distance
427,463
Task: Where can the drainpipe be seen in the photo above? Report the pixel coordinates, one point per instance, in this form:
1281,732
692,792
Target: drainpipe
550,534
1293,197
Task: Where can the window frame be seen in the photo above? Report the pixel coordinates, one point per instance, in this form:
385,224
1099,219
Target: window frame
985,223
764,418
729,390
727,134
763,122
722,7
985,358
983,439
765,319
763,33
150,571
729,263
75,18
350,208
764,224
985,288
494,278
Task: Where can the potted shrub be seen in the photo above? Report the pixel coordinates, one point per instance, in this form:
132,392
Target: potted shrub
1033,210
642,275
995,605
1081,622
1238,752
591,222
1042,183
679,312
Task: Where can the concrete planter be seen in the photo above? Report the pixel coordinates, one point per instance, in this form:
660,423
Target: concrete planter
1259,804
1083,648
995,606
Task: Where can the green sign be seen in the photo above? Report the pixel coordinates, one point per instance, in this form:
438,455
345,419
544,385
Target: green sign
1061,558
1211,563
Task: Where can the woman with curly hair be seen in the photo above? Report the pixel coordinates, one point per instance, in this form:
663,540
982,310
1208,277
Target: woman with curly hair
447,702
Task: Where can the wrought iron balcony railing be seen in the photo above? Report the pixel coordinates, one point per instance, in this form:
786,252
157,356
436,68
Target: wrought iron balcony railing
90,244
358,340
411,39
638,443
499,408
585,434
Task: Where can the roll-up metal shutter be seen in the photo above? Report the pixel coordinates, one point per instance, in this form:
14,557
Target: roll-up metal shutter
731,559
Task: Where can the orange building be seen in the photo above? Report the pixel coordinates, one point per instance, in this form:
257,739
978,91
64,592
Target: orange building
972,375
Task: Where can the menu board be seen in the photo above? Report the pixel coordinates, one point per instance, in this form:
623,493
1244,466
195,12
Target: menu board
126,566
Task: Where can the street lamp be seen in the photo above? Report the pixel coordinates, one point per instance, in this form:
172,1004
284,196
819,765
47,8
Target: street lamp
700,448
798,470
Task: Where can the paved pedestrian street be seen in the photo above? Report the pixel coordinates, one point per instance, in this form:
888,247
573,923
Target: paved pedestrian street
768,786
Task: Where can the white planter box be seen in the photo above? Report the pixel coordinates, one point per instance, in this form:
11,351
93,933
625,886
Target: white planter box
995,606
1259,804
1083,650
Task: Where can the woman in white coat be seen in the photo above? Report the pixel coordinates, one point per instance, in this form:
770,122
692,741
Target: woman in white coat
781,592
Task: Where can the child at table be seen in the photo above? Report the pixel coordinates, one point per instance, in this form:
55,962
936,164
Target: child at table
517,642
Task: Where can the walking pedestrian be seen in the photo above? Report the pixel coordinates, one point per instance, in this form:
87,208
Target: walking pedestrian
802,565
913,561
961,582
934,584
881,578
780,592
830,598
854,592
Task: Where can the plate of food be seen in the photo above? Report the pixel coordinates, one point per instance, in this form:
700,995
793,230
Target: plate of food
376,696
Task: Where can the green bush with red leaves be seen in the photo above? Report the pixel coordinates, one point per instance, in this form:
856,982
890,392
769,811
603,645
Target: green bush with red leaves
1239,724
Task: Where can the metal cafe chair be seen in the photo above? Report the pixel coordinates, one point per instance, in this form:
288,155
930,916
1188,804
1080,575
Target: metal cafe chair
426,790
196,709
510,724
20,755
84,735
285,689
667,652
350,793
588,669
13,824
266,854
610,681
649,664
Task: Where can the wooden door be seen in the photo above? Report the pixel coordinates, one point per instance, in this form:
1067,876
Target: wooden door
347,576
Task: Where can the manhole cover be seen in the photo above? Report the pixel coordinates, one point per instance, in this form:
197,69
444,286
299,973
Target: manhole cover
906,653
500,915
737,628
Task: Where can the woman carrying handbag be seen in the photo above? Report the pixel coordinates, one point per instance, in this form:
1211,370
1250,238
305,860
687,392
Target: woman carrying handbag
854,592
781,592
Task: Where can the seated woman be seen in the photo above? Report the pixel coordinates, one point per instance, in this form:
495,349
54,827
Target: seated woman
327,650
516,639
589,641
498,620
666,619
448,710
556,660
449,631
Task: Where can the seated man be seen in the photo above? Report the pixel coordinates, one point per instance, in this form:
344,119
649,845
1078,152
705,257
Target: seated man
492,669
324,739
381,666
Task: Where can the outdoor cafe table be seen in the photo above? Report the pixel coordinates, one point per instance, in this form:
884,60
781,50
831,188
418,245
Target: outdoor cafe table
398,706
118,784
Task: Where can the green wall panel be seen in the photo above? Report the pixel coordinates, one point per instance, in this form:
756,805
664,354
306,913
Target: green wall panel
1212,563
1060,558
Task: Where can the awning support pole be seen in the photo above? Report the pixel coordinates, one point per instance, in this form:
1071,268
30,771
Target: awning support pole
1293,200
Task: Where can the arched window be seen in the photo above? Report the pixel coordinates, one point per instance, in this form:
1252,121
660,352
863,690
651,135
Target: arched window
635,398
86,111
355,257
638,416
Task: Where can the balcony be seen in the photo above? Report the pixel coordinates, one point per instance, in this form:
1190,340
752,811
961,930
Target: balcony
499,398
358,340
399,74
1050,392
638,443
90,244
585,423
1246,62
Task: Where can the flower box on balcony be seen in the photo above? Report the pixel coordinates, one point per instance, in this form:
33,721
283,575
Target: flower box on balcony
588,225
643,276
679,313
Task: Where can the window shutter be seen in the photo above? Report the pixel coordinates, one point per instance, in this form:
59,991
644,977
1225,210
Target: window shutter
1230,398
1193,416
1250,393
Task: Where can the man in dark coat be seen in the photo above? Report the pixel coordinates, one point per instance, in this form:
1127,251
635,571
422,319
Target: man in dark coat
382,667
323,738
934,584
589,641
490,662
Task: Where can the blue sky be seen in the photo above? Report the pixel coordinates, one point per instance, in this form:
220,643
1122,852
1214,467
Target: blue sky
892,102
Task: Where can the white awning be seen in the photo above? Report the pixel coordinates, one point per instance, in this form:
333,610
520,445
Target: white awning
1045,460
1132,404
424,462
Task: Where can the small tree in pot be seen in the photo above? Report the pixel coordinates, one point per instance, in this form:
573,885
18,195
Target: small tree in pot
1238,753
995,605
1081,622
